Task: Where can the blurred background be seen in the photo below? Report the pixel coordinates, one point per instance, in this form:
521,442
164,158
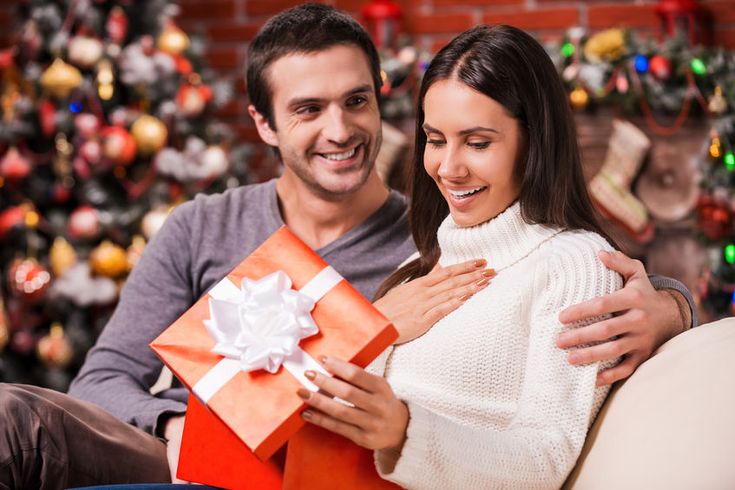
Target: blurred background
115,112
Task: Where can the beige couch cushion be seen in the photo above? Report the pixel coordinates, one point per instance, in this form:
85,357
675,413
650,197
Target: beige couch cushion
672,424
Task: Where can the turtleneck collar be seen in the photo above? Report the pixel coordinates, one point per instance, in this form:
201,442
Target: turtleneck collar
502,241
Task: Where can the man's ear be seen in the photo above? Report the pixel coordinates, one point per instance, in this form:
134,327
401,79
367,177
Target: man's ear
264,129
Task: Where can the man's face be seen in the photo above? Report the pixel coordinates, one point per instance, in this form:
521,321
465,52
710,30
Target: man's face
325,109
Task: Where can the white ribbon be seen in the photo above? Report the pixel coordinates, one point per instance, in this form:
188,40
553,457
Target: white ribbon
260,325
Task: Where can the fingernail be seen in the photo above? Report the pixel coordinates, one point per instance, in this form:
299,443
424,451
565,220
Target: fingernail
482,282
303,393
310,375
465,297
573,357
306,414
480,263
489,273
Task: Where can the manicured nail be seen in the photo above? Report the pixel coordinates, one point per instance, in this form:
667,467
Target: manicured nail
489,273
573,357
480,263
465,297
306,414
303,393
310,375
482,282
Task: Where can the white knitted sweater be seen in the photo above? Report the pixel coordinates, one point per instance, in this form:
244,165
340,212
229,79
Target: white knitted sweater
493,402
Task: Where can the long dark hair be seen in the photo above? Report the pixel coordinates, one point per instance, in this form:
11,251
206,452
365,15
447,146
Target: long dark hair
511,67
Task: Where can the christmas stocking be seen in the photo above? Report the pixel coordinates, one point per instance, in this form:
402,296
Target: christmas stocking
610,188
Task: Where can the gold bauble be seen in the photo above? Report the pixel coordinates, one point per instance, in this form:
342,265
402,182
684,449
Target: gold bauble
60,79
54,349
62,256
172,40
579,98
607,45
149,133
717,103
109,260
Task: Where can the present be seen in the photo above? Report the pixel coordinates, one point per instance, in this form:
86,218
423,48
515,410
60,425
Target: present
317,458
242,349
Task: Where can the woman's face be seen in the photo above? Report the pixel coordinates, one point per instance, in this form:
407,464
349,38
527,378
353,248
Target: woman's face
472,148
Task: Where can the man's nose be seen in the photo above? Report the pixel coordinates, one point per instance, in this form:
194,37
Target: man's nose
337,127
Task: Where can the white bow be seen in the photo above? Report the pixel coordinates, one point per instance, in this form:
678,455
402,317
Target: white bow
262,324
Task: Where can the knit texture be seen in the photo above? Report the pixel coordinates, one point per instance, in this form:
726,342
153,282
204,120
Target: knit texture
493,402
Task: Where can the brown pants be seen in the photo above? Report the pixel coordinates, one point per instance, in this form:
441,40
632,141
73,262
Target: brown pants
50,440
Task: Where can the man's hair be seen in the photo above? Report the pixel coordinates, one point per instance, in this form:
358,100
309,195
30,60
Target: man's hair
308,28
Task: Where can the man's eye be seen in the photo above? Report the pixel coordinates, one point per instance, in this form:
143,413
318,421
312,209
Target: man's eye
357,100
309,109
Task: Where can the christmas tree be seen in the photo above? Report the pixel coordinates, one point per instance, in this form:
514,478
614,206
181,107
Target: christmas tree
107,124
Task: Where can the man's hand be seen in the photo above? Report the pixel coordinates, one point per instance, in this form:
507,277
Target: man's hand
414,307
644,319
172,432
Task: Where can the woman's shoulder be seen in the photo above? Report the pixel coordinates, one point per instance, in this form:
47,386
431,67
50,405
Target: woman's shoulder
575,252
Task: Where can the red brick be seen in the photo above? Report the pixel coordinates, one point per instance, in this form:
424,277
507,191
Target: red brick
603,16
232,109
240,86
721,12
233,32
476,3
725,37
270,7
223,59
438,44
536,19
438,24
211,9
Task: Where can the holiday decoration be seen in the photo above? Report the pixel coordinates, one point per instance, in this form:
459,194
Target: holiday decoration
92,93
383,20
682,18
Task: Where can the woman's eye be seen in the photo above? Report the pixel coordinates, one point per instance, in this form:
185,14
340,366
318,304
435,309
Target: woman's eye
434,142
479,145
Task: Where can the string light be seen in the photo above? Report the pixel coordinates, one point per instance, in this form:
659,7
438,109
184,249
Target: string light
567,50
698,66
641,64
730,253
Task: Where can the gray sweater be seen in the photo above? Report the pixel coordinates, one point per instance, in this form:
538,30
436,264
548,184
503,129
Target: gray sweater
199,244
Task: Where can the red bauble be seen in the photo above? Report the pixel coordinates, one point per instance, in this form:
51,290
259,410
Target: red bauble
84,223
118,145
14,166
28,280
87,125
91,151
660,67
117,25
10,218
193,99
47,117
715,218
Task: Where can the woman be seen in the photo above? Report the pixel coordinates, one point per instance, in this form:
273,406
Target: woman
484,399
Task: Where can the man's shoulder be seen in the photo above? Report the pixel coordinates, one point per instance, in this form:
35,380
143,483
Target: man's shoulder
225,205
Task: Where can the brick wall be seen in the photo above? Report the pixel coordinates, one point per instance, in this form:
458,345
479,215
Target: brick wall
229,24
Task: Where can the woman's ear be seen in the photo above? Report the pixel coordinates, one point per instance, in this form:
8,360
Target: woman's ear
265,131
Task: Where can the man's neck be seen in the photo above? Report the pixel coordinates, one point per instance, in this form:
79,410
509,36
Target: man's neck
318,221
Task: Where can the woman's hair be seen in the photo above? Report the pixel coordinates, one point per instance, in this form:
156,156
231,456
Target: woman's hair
511,67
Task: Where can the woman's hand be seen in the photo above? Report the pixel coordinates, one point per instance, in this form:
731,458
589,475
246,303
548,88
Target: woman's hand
414,307
377,419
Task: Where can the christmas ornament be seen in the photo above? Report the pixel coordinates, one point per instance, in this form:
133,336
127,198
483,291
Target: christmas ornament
698,66
191,99
117,25
61,256
47,117
78,285
87,125
84,223
579,98
153,221
608,45
91,151
118,145
383,21
28,280
105,80
717,103
150,134
60,79
172,40
610,188
214,161
715,149
660,67
85,51
54,349
729,160
14,166
640,63
12,217
714,217
567,49
109,260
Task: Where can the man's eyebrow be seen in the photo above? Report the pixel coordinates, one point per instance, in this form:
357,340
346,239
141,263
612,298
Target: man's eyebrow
316,100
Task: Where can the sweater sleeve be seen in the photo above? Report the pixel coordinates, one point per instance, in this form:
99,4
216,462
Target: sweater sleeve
120,369
663,282
558,401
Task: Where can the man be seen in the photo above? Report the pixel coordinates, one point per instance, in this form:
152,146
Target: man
313,80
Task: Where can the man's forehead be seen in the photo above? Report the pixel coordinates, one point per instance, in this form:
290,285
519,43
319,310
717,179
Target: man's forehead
332,72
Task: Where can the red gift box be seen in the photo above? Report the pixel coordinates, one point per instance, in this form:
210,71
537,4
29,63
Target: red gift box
262,409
